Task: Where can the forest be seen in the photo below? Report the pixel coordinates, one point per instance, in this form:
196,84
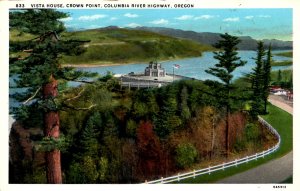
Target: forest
98,132
138,135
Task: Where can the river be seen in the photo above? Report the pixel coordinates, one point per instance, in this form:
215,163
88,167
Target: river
192,67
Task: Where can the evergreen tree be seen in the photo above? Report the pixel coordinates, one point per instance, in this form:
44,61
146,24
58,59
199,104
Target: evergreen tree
290,83
150,99
83,172
184,109
279,77
88,142
258,82
266,78
40,73
228,62
167,120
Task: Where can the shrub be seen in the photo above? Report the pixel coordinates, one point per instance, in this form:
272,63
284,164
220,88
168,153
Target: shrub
240,145
103,165
131,127
186,155
250,139
252,132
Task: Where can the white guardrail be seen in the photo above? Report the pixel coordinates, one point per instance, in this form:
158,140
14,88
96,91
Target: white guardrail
223,166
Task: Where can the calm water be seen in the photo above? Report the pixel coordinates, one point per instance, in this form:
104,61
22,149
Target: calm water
191,67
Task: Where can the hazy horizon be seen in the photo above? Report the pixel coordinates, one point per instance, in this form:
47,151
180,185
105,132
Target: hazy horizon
258,23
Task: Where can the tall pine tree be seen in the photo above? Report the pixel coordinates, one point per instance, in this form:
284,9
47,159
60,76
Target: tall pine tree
39,72
260,79
266,78
228,62
257,78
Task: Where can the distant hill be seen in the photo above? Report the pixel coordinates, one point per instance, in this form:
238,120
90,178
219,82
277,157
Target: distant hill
119,45
112,45
247,42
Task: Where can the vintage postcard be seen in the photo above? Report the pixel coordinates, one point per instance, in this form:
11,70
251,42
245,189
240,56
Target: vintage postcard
114,94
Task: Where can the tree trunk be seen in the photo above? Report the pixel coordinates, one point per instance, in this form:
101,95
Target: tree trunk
265,104
212,138
227,131
227,118
51,129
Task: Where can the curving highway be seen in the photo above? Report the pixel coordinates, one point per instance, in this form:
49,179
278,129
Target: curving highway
275,171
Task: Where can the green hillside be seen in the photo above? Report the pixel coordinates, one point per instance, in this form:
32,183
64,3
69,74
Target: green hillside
286,54
123,46
116,45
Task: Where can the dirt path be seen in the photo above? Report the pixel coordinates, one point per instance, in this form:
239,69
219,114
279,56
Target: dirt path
274,171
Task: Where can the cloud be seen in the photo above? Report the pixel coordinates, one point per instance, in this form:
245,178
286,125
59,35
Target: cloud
264,16
160,22
91,17
249,17
133,25
66,19
131,15
204,17
232,19
184,17
70,25
113,18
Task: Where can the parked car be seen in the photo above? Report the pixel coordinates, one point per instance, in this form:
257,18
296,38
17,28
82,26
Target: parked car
280,92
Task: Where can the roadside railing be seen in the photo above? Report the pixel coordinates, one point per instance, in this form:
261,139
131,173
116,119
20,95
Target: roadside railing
140,85
139,80
223,166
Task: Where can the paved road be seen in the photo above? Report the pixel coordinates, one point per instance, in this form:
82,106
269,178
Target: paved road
274,171
282,102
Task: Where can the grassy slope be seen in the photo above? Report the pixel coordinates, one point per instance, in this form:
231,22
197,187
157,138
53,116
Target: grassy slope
286,75
286,54
282,63
16,36
282,122
124,46
288,180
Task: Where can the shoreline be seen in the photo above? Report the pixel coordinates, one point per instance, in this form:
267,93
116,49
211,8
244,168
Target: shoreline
105,64
92,65
108,63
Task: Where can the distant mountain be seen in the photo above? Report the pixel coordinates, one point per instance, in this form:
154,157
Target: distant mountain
247,42
279,44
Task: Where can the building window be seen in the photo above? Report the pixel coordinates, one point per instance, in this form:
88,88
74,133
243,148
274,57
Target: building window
154,74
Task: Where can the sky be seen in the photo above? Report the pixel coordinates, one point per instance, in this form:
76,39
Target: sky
257,23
